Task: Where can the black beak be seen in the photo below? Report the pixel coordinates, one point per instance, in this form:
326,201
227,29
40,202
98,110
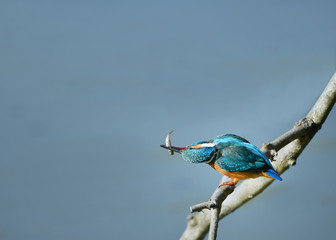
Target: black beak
175,149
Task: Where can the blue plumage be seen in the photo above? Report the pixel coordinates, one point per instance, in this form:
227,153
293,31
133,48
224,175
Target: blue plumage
230,155
271,172
198,155
238,155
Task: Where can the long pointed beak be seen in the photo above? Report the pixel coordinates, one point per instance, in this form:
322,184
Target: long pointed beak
175,149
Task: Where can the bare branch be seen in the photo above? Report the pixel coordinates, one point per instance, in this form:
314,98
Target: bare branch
285,150
304,127
214,205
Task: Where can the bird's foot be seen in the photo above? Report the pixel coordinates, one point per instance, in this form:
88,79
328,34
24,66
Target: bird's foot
232,183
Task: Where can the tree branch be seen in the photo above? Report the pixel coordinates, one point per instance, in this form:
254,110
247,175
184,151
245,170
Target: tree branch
284,150
214,205
301,128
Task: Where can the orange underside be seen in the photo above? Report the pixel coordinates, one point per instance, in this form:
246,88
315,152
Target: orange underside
237,176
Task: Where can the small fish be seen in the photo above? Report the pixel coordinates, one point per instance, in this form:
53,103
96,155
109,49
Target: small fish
168,142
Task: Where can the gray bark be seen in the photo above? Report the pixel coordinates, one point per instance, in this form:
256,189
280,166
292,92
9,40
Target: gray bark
284,151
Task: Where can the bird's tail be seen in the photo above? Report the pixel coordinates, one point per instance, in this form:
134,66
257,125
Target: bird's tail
272,173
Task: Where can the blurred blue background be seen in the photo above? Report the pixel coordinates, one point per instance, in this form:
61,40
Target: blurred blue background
89,90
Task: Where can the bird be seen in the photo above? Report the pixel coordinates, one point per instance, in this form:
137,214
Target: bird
231,155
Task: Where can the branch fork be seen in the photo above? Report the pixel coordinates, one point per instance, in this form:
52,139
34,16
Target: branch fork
284,151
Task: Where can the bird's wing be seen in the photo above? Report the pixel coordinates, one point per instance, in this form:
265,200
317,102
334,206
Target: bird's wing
239,158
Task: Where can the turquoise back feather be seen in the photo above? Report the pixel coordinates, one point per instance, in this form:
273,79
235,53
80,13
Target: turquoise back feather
236,154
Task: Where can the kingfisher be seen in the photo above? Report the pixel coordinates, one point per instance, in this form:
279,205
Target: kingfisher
229,154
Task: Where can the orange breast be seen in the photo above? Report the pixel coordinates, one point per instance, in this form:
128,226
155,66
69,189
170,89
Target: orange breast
237,176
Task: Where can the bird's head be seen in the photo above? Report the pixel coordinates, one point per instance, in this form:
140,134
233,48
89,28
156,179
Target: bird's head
199,152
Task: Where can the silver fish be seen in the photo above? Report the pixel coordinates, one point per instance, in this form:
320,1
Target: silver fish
168,142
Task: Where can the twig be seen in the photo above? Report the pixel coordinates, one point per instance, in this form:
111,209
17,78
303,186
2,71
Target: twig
285,150
301,128
214,205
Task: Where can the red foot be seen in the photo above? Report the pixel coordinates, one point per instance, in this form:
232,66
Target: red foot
227,183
